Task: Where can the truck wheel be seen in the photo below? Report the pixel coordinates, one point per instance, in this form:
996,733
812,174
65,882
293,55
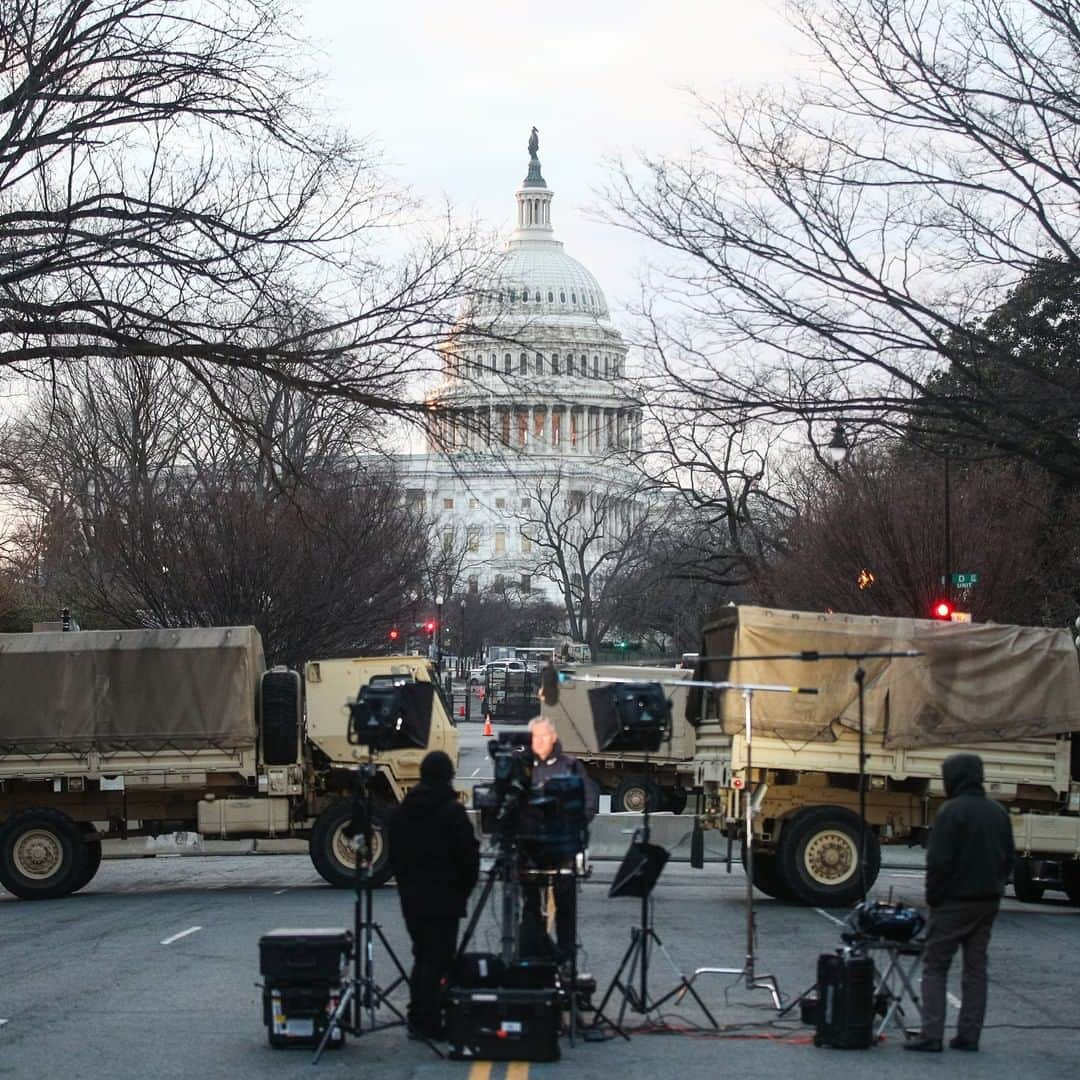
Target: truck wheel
1027,889
42,855
1070,880
767,875
280,717
91,864
818,856
331,845
635,793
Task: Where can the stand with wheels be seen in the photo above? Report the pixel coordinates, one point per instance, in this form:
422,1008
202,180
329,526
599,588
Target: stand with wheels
363,993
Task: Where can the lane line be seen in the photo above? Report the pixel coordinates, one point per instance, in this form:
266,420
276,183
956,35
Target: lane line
517,1070
480,1070
183,933
476,771
954,1001
831,918
278,892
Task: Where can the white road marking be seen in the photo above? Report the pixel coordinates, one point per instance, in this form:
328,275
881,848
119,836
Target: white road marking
2,1022
954,1001
183,933
831,918
475,771
278,892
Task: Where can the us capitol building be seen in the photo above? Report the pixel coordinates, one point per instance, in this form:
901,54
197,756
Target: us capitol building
533,398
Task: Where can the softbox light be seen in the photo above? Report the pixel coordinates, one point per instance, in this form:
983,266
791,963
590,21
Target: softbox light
639,871
630,716
392,716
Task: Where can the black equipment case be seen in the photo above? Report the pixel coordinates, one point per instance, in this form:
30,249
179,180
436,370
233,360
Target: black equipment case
503,1025
304,971
845,1005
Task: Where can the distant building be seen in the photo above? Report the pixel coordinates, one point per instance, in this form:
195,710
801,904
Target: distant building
538,394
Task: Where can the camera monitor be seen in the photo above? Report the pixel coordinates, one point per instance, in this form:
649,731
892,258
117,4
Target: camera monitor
630,716
391,714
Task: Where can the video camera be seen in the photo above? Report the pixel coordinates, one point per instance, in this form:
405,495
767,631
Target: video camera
500,803
550,825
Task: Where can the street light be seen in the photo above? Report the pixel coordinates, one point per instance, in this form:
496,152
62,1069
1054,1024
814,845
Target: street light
838,445
438,632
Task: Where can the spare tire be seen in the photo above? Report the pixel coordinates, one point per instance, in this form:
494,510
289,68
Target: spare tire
42,855
280,709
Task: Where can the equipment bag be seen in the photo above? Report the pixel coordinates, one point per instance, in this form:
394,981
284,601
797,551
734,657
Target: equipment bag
845,1012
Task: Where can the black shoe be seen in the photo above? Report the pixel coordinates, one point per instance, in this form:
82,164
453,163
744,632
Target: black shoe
963,1044
928,1046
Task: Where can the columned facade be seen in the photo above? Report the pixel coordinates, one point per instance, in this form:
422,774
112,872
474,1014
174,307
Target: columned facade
534,388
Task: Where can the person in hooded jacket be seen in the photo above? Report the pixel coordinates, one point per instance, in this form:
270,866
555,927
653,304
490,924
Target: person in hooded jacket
435,857
549,760
967,867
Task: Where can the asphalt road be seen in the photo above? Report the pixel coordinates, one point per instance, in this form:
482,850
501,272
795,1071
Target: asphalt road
152,972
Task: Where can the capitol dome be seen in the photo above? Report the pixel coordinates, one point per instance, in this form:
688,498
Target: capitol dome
534,397
537,277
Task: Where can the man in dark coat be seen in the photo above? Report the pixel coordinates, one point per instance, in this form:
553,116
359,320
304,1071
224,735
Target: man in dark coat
436,861
967,868
549,760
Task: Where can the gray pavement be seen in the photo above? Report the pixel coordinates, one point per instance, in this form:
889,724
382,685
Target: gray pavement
151,972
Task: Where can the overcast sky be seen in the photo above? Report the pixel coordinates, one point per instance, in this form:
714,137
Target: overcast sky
451,91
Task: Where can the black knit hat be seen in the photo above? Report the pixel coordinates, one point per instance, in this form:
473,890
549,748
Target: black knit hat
437,768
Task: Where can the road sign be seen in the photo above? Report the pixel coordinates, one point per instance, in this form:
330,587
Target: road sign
965,581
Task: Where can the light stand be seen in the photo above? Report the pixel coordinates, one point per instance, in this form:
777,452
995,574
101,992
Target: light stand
363,993
639,881
747,972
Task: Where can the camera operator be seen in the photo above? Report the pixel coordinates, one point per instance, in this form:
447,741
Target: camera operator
549,760
436,861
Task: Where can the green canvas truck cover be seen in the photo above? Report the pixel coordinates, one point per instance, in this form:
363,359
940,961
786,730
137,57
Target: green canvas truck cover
974,682
142,690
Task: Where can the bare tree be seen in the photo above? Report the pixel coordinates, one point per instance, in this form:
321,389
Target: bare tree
591,539
834,248
168,191
869,537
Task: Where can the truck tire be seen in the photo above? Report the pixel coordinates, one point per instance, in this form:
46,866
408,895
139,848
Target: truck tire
91,864
42,855
633,794
767,876
331,845
1027,889
675,799
280,717
1070,879
818,856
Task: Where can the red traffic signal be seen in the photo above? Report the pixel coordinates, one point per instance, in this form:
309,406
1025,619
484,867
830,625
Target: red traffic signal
943,610
429,626
394,634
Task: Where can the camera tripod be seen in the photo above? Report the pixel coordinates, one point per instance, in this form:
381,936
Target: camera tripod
637,876
363,993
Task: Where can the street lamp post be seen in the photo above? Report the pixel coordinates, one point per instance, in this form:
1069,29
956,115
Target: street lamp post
438,632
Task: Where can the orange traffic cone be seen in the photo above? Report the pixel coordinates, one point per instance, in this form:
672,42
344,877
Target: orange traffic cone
488,730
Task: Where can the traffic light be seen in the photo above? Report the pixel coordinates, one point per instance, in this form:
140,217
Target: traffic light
394,633
429,626
943,610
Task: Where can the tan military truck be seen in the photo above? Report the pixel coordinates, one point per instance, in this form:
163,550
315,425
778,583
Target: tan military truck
114,734
1010,694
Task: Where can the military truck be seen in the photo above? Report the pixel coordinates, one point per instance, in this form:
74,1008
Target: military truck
1010,694
127,733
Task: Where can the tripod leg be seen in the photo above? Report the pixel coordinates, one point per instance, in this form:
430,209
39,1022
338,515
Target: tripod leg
336,1020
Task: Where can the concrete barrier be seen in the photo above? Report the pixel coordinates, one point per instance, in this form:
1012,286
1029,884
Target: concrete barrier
609,837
